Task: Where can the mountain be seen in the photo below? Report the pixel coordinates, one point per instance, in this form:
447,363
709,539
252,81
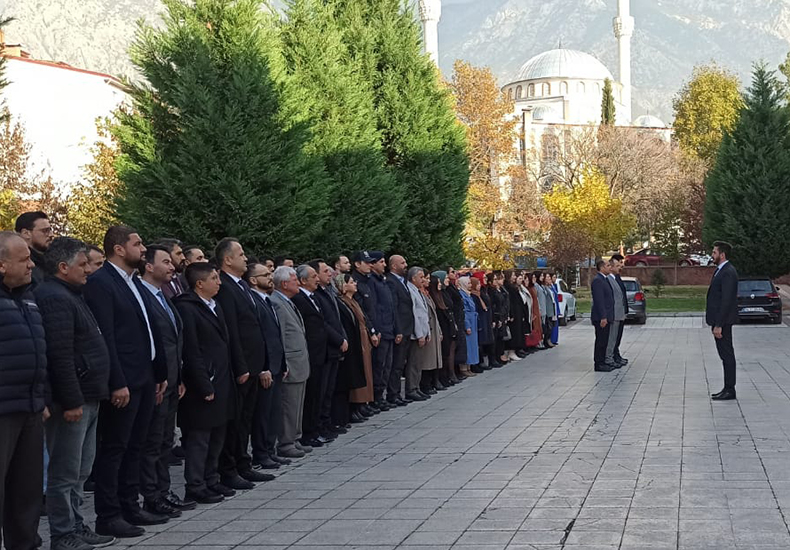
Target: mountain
671,35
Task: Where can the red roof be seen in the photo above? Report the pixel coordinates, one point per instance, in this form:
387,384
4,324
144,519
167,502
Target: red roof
62,65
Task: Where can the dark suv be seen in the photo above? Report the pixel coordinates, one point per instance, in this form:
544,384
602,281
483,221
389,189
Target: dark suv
758,298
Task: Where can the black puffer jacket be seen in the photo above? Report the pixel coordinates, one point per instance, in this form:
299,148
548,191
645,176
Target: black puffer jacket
77,359
23,352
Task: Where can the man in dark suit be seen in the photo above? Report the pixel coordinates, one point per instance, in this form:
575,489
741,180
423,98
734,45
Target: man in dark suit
174,286
264,426
157,271
721,312
35,229
602,315
337,345
248,351
208,403
404,326
138,378
317,344
617,264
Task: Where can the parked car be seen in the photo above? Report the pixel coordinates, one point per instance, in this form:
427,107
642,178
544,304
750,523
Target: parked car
758,298
637,300
567,301
647,257
703,259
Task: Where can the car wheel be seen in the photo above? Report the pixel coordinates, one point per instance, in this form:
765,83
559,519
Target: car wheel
684,263
641,264
777,320
573,317
563,321
641,320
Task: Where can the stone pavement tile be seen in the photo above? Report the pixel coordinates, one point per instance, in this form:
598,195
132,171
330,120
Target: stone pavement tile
338,532
172,538
538,537
274,538
431,538
643,538
224,537
579,536
486,537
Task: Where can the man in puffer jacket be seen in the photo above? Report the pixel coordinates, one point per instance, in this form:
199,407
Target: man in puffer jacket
78,364
23,379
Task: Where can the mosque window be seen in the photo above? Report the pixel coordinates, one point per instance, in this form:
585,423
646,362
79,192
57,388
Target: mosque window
564,88
531,90
546,89
510,93
597,88
518,92
581,88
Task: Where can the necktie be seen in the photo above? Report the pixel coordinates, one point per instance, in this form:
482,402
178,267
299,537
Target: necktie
176,284
247,291
268,305
162,300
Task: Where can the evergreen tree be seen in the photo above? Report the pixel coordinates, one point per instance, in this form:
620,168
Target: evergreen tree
608,111
747,200
215,144
421,138
366,199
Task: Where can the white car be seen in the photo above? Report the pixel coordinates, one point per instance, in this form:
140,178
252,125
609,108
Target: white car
567,302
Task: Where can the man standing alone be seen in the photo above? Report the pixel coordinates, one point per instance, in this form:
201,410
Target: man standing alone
721,312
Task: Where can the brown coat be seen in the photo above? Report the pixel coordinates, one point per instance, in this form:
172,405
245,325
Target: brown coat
364,394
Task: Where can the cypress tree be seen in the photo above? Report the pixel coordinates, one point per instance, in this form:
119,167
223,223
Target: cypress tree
421,138
366,200
608,110
215,143
747,201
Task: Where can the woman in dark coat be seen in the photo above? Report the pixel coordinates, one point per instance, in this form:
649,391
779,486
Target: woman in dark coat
447,374
485,324
500,301
518,318
209,402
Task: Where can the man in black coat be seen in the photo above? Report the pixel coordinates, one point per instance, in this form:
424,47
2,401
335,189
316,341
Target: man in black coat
35,229
317,347
385,315
78,364
721,312
337,345
365,296
264,427
602,315
404,326
138,378
208,404
157,273
248,352
23,380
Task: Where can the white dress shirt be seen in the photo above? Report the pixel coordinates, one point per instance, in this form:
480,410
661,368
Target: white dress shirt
129,280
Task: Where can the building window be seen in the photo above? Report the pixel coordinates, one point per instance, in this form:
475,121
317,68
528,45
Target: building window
518,92
564,88
598,88
546,89
581,88
510,93
531,90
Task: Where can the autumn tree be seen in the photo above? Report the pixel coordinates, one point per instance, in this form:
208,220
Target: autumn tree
706,108
91,203
608,110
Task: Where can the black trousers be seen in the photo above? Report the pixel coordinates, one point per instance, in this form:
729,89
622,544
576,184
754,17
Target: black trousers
548,326
620,328
328,381
21,468
727,354
313,401
235,457
202,449
382,366
601,341
400,354
154,461
123,434
267,418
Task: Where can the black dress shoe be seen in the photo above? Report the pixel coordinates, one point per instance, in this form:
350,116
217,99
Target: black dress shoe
603,368
718,393
281,459
252,475
613,365
408,399
429,391
365,411
726,395
522,353
477,369
175,501
484,368
415,396
496,365
161,507
357,418
236,482
205,496
143,517
118,528
268,464
313,442
383,405
178,452
338,429
324,440
89,486
622,360
224,490
373,406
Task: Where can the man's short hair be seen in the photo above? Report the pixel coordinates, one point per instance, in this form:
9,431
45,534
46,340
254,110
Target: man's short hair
6,238
724,247
599,264
618,257
94,248
315,263
302,272
63,250
169,244
150,253
223,249
280,260
413,272
250,268
28,220
197,272
282,275
117,235
187,250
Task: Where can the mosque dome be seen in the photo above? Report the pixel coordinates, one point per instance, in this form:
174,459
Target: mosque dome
649,121
562,63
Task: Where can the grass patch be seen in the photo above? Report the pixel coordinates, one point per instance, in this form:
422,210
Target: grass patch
673,299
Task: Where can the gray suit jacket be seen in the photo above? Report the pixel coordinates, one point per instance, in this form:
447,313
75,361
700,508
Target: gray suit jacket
297,358
617,293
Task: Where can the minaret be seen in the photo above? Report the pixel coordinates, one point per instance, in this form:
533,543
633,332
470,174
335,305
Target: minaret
623,30
430,13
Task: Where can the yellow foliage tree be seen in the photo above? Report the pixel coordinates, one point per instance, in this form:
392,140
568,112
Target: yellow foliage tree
590,211
91,205
490,252
706,107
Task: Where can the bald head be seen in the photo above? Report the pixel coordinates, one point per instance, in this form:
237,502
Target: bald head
16,267
398,265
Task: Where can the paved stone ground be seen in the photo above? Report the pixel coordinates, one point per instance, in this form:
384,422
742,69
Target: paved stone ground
545,454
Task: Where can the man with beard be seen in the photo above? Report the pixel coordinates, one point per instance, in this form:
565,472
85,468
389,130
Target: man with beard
138,379
341,264
385,313
35,229
404,327
174,287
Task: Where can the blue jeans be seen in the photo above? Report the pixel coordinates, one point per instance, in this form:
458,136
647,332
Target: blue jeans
72,448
